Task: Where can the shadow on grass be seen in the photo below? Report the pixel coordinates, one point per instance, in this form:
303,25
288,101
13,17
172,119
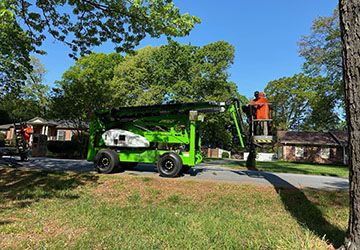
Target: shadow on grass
21,188
304,211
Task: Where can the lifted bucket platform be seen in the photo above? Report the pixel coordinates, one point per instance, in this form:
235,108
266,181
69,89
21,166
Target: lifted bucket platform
264,139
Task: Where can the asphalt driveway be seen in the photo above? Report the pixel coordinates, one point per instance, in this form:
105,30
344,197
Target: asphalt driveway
210,171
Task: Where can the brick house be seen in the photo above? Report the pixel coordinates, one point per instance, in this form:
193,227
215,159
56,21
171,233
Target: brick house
54,130
315,147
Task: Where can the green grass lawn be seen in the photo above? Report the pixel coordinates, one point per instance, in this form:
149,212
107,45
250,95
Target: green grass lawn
296,168
63,210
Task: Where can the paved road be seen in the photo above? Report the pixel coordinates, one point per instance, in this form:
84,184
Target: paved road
211,171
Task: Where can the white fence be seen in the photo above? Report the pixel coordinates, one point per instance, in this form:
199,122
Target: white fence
262,156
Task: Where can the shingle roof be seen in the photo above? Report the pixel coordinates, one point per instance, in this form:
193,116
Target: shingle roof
334,138
6,126
57,123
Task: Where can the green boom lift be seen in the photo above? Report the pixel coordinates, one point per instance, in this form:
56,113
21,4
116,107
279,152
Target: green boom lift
166,135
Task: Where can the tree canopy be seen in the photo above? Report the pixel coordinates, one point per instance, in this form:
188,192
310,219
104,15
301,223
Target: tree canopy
322,48
84,87
174,73
82,24
28,101
167,74
301,103
313,100
15,49
322,53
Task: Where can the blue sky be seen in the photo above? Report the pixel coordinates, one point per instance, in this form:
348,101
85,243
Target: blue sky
263,32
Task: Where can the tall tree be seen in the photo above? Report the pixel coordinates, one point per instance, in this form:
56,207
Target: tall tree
322,48
35,89
175,73
82,24
322,53
29,100
84,88
301,103
212,64
350,30
133,82
15,49
179,73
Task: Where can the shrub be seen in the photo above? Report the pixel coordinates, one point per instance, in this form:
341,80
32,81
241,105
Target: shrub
65,149
2,136
59,147
82,140
225,155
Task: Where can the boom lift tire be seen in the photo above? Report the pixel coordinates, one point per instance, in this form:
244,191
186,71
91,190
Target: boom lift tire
24,157
169,165
106,161
185,168
128,165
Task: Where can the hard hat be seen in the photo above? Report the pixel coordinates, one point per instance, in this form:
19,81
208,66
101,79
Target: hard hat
261,94
256,94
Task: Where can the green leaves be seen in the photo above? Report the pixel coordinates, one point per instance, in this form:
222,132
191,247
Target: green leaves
322,48
313,102
29,100
174,73
322,53
84,87
90,23
170,73
81,24
302,103
15,48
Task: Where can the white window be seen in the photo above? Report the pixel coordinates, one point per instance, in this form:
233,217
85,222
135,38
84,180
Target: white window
61,135
325,152
299,151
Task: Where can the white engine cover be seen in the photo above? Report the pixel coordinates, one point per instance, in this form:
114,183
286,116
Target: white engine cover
123,138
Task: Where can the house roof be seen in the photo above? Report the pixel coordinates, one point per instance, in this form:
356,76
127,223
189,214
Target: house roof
6,126
41,121
331,138
69,124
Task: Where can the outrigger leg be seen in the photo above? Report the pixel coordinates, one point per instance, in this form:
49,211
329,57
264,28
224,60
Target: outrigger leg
251,160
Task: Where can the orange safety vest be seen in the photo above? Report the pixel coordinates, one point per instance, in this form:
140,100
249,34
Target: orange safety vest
27,133
262,110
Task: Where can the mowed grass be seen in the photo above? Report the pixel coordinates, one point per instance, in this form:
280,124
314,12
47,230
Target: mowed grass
295,168
63,210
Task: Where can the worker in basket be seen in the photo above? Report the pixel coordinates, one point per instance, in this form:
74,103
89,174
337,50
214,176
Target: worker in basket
258,108
26,133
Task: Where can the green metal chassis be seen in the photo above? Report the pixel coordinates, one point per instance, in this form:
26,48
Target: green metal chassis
182,121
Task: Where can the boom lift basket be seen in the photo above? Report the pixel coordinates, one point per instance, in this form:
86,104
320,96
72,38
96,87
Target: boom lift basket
262,127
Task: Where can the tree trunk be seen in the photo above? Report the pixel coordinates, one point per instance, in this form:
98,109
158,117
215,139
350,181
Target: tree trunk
350,34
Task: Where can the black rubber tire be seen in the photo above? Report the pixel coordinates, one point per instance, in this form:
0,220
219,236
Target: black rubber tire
128,165
106,161
24,157
185,168
169,165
